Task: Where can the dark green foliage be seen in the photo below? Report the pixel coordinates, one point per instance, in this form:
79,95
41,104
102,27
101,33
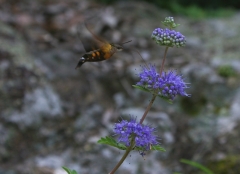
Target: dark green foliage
213,4
196,9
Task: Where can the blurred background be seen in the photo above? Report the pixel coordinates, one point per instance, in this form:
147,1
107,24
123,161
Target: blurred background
52,115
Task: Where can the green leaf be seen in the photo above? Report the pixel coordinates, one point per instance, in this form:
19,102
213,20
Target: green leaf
197,165
174,25
166,98
69,171
112,142
141,88
156,147
147,90
74,172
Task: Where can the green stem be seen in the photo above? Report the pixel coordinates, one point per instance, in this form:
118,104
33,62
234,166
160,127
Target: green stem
124,156
163,61
148,108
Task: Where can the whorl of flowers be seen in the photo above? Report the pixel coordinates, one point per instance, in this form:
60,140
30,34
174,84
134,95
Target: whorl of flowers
149,78
143,135
169,85
167,37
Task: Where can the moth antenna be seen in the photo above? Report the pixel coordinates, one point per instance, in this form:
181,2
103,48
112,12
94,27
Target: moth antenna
141,57
136,52
126,42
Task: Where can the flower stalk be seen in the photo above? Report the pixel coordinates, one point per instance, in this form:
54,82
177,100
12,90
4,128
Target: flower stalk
148,108
129,149
163,61
163,84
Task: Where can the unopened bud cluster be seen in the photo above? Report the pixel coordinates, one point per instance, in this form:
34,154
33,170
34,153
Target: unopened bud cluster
169,23
170,38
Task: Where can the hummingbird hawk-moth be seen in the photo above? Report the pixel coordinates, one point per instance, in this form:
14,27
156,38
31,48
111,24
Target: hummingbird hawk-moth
104,52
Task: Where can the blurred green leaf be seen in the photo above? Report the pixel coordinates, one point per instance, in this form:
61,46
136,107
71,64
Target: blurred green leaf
197,165
69,171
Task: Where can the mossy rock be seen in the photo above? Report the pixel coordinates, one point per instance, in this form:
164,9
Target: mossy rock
228,165
226,71
12,42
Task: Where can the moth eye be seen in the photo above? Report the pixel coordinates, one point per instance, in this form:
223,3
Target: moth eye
82,59
119,48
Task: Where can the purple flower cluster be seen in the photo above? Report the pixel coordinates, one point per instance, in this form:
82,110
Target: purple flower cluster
149,78
168,37
144,137
173,85
169,85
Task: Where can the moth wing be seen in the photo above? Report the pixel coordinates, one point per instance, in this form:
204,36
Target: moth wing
89,39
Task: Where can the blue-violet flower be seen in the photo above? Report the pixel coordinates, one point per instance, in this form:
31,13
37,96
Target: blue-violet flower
143,135
173,85
149,78
169,85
